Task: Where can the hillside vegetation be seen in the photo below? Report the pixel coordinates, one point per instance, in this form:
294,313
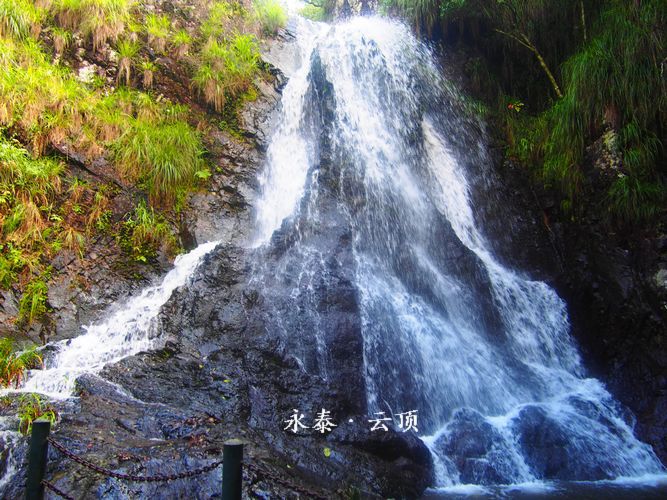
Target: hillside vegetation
82,82
561,78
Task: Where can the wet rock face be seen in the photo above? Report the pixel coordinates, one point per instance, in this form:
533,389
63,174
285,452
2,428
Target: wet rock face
478,450
619,316
547,448
229,365
224,358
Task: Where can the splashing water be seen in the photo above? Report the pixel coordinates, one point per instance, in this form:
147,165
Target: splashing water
371,133
127,331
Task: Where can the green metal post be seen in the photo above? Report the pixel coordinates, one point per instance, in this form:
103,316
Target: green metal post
37,454
232,475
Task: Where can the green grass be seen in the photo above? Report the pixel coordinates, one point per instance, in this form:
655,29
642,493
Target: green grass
101,20
127,51
314,13
227,69
20,18
158,29
61,40
271,15
181,41
31,408
223,19
144,232
632,200
14,362
32,305
163,152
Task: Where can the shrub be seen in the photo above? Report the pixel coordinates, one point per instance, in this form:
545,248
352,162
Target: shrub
32,407
271,15
14,363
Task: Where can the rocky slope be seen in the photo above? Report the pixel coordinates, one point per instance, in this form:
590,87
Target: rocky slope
221,374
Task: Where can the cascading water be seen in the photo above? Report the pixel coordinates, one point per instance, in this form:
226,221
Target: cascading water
127,331
374,146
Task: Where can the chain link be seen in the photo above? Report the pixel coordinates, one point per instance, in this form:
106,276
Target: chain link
131,477
58,492
284,482
261,471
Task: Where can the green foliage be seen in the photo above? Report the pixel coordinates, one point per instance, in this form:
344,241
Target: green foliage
314,13
271,15
32,305
25,185
31,408
224,18
20,18
158,29
61,39
127,50
600,91
103,20
163,151
582,67
423,13
634,200
227,69
182,41
14,363
144,232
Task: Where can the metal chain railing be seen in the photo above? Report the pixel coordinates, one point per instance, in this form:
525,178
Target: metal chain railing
58,492
261,471
131,477
231,480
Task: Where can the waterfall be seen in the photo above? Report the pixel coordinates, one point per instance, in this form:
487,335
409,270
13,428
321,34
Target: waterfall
376,146
127,330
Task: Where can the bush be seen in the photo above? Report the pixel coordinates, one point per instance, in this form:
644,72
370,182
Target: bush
271,15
